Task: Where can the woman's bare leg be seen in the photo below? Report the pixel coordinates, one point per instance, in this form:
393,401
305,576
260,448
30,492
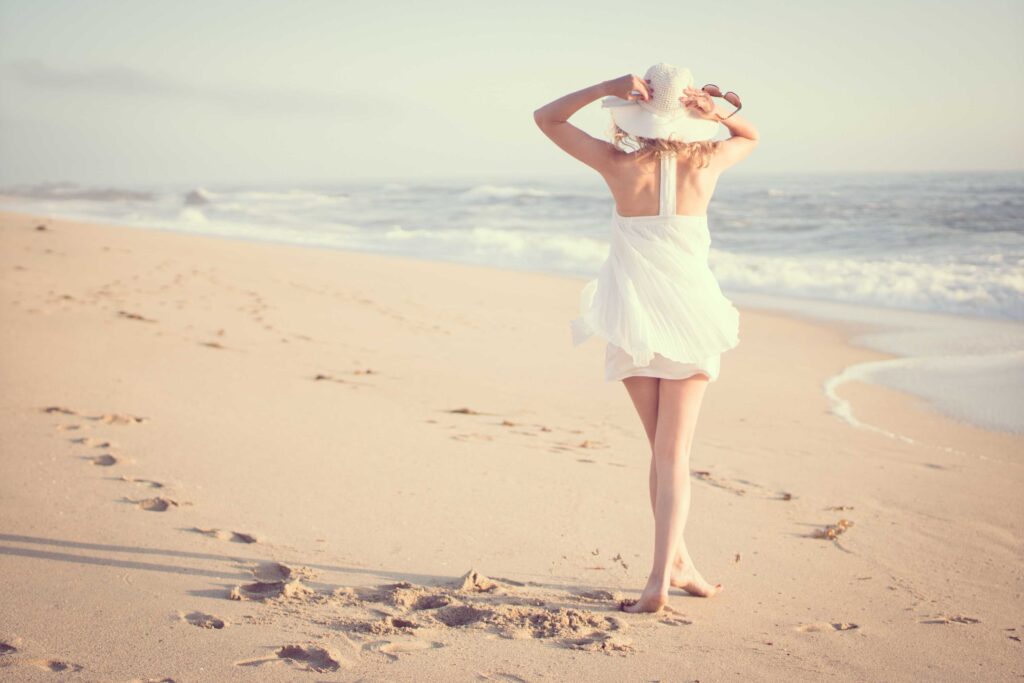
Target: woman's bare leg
644,393
679,403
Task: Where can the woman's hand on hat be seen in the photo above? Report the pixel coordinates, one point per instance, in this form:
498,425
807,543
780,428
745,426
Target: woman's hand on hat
700,103
627,87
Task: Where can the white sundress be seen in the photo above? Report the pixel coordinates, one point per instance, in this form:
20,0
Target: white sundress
655,299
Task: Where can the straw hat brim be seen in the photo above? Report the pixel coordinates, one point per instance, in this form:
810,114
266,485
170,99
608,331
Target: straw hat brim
636,119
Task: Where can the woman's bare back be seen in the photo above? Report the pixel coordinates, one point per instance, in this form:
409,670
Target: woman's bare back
634,184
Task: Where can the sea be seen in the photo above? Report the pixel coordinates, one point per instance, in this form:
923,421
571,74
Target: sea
932,262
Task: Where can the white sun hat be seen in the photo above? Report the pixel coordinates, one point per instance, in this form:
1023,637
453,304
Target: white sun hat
664,115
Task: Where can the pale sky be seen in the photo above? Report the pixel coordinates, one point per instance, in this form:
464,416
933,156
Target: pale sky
101,92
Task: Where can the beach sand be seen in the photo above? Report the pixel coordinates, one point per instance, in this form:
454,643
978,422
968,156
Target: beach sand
226,460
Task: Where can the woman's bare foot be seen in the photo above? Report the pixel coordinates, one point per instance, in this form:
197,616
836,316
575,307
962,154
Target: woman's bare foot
651,601
692,582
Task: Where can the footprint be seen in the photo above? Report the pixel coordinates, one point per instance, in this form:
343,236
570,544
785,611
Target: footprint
157,504
598,595
518,429
473,436
59,409
105,460
148,482
461,615
135,316
708,478
315,657
275,571
220,534
600,642
92,441
320,377
203,620
323,377
262,591
573,445
307,657
119,419
6,648
824,626
427,602
212,533
54,665
945,619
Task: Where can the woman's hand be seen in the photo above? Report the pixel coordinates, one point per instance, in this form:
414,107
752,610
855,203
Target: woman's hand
628,86
700,104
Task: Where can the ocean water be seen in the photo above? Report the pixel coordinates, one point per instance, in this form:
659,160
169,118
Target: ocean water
930,257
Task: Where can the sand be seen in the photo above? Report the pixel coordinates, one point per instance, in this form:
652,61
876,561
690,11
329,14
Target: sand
225,460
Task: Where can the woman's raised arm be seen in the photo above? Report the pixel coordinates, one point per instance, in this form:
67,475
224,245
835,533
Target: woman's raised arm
553,119
744,134
743,141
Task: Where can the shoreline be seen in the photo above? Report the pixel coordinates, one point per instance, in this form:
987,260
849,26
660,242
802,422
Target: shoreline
943,345
183,417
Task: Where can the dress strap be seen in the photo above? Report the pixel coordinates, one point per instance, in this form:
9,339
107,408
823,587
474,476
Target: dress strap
667,194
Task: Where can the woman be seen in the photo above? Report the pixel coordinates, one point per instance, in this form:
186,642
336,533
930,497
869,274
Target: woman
655,300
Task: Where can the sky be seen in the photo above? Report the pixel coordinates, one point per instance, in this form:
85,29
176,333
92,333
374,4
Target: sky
146,92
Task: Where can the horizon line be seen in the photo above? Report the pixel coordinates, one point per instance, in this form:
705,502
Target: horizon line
483,179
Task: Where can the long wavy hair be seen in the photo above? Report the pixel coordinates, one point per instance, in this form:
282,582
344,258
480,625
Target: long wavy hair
697,153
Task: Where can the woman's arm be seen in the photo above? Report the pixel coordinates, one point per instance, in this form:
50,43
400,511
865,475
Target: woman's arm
740,127
744,135
743,141
702,105
553,119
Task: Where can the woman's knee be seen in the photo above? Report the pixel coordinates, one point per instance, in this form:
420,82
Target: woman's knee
674,450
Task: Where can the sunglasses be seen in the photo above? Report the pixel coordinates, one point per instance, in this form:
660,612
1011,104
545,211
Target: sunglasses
730,97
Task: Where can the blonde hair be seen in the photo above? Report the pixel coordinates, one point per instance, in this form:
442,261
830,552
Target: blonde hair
698,153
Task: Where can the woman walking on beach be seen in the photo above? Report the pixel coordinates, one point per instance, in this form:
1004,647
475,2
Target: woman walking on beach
655,300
